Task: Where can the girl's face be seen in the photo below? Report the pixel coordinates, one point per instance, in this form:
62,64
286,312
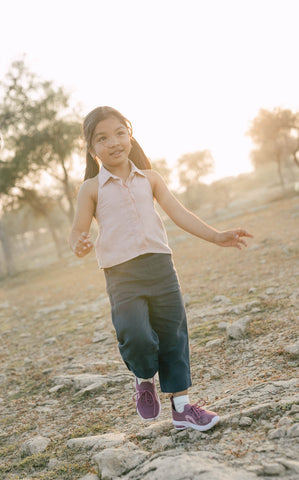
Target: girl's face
111,142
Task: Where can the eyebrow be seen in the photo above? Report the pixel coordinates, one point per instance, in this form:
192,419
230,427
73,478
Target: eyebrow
104,133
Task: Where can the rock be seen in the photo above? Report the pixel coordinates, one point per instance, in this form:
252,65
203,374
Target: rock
270,291
161,443
277,433
46,371
292,350
155,429
54,308
294,409
238,329
84,380
293,431
216,373
56,388
285,422
99,442
100,337
229,419
192,465
187,299
213,343
50,341
113,462
54,463
252,290
273,469
257,469
222,325
4,305
292,465
221,299
89,476
245,421
34,445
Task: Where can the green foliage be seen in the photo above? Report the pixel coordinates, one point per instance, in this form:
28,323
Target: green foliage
162,167
193,166
276,136
40,132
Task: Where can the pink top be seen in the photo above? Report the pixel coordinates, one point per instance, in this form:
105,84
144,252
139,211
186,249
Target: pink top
128,223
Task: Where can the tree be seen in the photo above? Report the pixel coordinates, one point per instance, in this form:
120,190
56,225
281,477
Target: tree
40,131
162,167
276,136
191,168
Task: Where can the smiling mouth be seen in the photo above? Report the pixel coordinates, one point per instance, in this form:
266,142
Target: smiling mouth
117,153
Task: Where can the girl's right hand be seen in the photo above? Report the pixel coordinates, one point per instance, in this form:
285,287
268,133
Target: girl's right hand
84,245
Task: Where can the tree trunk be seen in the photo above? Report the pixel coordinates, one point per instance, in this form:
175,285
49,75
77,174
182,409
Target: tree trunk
279,164
68,193
54,235
7,251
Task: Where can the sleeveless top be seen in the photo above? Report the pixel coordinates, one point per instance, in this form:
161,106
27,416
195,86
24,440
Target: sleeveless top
129,224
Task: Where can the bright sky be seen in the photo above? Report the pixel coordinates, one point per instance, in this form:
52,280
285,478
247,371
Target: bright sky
189,74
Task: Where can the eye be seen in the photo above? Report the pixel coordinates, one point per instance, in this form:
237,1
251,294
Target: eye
101,139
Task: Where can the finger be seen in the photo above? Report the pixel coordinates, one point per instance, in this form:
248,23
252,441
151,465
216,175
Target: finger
244,233
243,242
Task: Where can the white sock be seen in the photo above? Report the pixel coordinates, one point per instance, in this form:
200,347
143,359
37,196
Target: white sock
140,380
180,402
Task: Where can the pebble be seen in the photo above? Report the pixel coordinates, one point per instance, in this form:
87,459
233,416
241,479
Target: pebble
113,462
238,329
292,465
293,431
277,433
222,325
106,440
213,343
245,421
273,469
292,350
294,409
221,299
50,341
285,422
34,445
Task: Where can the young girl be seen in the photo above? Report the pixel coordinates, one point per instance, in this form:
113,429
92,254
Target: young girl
146,302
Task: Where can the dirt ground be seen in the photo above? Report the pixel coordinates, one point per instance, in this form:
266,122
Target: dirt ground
49,319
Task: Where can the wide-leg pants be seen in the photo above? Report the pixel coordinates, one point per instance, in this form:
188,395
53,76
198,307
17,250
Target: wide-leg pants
149,317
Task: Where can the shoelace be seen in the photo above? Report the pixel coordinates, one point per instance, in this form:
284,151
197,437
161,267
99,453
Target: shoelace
146,396
196,408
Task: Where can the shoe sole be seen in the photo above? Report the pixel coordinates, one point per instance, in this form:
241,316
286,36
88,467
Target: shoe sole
148,419
201,428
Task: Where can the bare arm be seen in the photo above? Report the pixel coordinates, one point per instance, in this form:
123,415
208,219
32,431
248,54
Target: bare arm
189,222
79,238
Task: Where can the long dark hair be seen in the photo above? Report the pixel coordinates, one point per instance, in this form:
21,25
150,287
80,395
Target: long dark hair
97,115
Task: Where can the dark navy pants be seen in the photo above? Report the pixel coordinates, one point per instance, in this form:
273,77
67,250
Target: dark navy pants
149,318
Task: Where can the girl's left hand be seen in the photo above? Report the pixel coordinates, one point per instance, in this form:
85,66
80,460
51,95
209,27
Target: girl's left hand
232,238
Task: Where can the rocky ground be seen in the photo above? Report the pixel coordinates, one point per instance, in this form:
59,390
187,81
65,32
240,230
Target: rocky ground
66,399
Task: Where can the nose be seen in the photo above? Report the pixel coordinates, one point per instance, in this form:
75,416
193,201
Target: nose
113,140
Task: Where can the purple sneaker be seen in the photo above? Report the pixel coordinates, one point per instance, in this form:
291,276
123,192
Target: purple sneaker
147,401
194,416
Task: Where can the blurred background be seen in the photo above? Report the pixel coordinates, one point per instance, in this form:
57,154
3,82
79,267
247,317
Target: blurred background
210,87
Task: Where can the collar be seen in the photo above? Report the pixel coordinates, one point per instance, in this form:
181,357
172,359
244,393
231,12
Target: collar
105,175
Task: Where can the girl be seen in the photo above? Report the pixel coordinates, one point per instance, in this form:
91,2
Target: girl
146,301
